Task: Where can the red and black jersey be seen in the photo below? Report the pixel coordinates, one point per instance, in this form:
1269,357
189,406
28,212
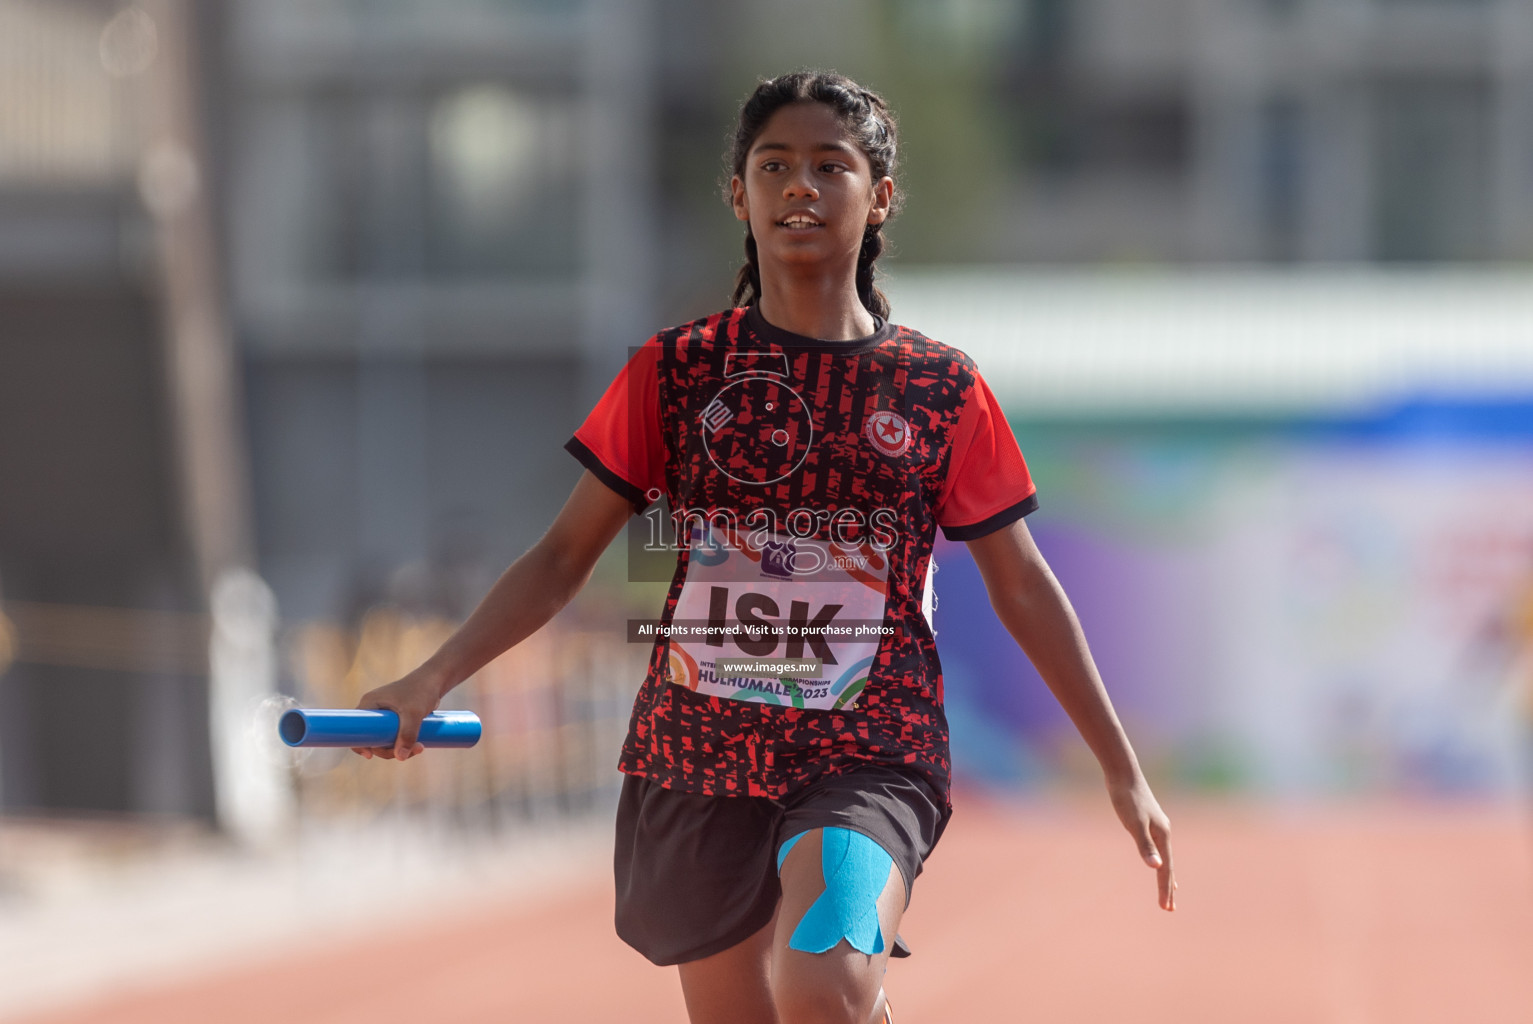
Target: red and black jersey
807,480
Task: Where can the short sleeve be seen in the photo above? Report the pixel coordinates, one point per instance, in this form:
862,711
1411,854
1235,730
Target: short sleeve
620,441
988,486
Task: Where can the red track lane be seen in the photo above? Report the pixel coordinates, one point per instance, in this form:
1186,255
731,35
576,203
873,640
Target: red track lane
1038,911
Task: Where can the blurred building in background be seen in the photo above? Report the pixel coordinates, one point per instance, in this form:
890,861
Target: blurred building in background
105,703
1160,131
421,236
431,269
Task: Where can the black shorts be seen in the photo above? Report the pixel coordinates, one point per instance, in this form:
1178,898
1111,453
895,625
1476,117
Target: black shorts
698,874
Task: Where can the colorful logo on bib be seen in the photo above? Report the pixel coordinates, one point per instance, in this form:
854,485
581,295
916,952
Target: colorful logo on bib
777,558
680,668
889,433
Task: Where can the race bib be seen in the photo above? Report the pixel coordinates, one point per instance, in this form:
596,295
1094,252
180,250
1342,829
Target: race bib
792,622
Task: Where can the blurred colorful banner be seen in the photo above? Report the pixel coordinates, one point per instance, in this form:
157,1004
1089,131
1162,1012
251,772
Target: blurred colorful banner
1298,606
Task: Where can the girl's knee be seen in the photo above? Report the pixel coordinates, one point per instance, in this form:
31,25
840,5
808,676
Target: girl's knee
802,999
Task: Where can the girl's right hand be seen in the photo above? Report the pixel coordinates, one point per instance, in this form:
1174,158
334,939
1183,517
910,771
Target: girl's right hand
412,698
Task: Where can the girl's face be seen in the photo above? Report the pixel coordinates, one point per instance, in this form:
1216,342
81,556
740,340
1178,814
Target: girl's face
807,190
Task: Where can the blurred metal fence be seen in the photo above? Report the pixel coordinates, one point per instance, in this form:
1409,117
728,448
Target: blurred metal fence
555,710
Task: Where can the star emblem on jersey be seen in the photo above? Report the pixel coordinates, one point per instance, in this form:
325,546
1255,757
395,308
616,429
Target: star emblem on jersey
889,433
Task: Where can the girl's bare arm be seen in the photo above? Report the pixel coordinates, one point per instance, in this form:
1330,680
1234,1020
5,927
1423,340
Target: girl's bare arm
1033,607
526,596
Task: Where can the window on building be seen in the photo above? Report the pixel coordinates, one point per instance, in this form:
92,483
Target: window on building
1279,180
1431,170
502,186
468,182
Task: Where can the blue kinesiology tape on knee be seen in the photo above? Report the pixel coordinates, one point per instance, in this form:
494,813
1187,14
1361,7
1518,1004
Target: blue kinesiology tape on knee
856,870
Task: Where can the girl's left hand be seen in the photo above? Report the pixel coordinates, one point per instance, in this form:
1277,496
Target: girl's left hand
1151,829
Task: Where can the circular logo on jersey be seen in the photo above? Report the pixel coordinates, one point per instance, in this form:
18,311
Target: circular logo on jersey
889,433
757,430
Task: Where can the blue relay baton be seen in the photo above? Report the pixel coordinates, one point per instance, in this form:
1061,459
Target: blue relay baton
316,727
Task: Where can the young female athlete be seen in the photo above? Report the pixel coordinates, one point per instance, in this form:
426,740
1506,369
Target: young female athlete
775,811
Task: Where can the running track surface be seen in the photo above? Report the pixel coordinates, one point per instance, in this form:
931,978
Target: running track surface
1035,911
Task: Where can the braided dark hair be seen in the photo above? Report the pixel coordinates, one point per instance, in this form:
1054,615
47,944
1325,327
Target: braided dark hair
870,125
